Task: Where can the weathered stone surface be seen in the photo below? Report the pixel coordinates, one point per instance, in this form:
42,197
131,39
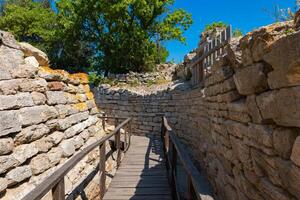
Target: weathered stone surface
74,130
18,174
37,114
24,71
57,97
15,101
262,134
56,86
10,60
31,60
68,147
6,145
7,162
31,133
8,40
286,64
30,85
297,20
30,50
9,122
283,140
56,137
55,155
38,98
253,110
44,144
8,87
73,119
272,191
39,164
251,80
79,142
296,152
3,184
18,192
24,152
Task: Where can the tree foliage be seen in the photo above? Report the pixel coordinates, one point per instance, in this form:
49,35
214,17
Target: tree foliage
114,36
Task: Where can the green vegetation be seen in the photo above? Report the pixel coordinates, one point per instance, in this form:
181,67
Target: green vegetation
214,26
237,33
98,35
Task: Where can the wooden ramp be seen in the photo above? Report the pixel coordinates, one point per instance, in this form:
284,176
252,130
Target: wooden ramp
142,174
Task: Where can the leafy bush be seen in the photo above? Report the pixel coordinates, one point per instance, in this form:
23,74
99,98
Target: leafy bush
237,33
215,25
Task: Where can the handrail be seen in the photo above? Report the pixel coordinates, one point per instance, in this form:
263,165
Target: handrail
198,188
56,181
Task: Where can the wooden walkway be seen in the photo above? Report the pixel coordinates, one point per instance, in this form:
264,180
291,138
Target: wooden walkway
142,174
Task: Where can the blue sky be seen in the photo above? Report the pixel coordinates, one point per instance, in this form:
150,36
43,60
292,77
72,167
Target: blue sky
244,14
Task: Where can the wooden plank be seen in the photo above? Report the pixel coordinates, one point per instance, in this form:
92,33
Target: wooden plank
140,197
138,191
58,191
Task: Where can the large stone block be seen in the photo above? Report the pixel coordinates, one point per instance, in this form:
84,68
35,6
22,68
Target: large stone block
24,152
73,119
18,175
30,50
9,122
44,144
37,114
68,147
3,184
56,97
284,57
30,85
74,130
251,80
55,155
253,109
15,101
6,145
8,87
56,137
39,164
7,162
283,140
38,98
31,133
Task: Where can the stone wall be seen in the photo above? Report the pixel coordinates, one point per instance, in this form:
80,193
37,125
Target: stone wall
243,126
46,116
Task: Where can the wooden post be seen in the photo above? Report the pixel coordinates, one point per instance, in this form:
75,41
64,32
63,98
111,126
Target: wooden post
118,145
103,122
58,191
116,124
102,174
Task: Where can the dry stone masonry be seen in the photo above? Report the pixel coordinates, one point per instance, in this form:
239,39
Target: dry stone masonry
243,126
46,116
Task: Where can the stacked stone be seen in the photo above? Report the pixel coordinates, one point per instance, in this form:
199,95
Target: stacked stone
243,127
46,116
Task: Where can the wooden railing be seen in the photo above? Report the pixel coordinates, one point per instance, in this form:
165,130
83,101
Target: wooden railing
56,181
197,185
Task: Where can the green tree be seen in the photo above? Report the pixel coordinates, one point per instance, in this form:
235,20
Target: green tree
125,34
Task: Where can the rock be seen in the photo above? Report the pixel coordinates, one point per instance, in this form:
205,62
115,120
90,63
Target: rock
251,80
8,87
36,85
43,144
68,147
266,105
3,184
79,142
8,40
24,152
9,122
56,86
55,155
253,109
24,71
283,140
15,101
286,64
39,164
37,114
31,133
234,53
73,119
74,130
7,162
38,98
18,174
56,137
6,145
262,134
276,193
296,152
30,50
57,97
31,60
19,192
